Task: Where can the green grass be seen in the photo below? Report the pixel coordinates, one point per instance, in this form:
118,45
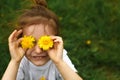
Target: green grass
81,20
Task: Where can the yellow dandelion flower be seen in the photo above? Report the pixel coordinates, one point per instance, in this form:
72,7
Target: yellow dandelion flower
45,42
27,42
42,78
88,42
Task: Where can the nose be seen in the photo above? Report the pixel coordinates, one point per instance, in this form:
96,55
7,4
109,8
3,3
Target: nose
38,49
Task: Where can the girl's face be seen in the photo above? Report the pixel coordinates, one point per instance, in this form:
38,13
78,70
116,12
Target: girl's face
36,55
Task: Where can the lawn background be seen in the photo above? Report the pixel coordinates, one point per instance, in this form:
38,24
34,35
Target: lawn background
82,21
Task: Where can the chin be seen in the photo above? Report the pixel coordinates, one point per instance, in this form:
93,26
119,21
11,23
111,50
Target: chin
40,62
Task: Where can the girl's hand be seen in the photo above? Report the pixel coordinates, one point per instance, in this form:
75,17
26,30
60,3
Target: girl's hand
56,52
16,51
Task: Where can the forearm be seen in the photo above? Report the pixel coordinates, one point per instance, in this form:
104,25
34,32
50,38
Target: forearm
11,71
67,72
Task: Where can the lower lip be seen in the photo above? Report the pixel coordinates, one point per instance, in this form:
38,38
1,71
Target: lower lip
39,57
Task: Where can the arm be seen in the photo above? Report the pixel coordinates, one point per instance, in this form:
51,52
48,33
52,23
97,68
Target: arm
56,54
67,72
11,71
16,53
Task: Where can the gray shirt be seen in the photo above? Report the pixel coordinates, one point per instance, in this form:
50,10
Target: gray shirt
28,71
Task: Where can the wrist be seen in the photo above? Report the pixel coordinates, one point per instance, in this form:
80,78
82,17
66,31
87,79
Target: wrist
15,61
59,63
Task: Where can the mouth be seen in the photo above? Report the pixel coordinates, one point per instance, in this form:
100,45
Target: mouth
39,57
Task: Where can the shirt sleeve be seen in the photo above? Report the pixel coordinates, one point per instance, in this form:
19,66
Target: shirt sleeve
68,61
20,75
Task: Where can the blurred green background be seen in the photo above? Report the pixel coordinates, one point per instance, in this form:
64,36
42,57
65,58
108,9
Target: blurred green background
90,30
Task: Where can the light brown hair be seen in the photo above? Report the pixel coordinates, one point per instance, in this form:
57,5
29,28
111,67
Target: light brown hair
39,14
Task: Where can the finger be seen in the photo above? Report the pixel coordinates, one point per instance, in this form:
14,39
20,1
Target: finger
19,41
56,38
18,33
14,35
11,37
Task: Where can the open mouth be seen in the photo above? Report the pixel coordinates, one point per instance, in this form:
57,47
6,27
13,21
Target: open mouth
39,57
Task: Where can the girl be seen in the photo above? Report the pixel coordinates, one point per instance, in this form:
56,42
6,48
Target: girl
36,62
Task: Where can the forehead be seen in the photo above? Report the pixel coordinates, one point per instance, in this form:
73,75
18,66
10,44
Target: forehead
38,30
